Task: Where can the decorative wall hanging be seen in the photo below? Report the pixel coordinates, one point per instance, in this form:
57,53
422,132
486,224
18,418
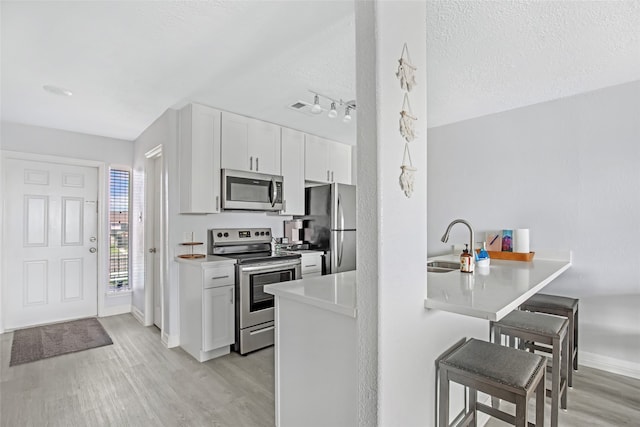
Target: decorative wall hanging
408,171
406,74
407,120
406,71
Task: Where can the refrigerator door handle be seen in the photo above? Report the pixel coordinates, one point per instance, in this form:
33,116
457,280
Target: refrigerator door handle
341,250
340,213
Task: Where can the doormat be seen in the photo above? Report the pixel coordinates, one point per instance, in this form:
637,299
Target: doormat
47,341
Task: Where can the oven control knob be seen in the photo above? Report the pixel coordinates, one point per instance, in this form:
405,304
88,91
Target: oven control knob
219,234
226,234
267,233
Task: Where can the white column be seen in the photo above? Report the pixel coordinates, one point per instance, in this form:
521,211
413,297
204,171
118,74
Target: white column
395,374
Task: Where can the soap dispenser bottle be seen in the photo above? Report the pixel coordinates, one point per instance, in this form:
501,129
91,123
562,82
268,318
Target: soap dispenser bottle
466,261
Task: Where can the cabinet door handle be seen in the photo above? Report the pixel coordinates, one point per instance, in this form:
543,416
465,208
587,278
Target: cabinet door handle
217,203
220,277
257,164
284,206
251,163
331,176
328,175
310,265
231,299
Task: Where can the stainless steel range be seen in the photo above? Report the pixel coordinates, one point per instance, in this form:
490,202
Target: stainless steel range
256,267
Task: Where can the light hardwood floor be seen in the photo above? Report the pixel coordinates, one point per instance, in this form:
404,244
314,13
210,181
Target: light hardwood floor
138,382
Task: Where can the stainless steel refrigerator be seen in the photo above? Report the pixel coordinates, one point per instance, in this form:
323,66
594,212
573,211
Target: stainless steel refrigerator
329,224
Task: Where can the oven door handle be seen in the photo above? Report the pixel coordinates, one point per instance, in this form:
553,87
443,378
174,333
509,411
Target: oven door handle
260,331
270,267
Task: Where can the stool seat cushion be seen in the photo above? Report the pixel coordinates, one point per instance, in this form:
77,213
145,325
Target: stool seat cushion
546,324
552,301
505,365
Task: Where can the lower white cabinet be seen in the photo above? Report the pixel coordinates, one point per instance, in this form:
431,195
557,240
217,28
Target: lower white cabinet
207,310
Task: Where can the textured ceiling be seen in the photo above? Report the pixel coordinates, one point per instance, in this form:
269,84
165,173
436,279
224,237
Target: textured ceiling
486,57
127,62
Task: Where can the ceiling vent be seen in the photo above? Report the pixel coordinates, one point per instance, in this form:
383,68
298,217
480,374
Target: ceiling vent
302,107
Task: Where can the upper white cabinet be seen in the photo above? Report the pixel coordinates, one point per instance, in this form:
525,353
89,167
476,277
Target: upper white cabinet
292,169
199,159
250,145
327,161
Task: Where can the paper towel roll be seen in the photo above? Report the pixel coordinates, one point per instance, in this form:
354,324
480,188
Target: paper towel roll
521,240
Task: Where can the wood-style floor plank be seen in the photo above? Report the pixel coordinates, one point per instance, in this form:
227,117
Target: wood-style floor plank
138,382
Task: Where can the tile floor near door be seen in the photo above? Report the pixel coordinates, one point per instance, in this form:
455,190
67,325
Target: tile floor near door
138,382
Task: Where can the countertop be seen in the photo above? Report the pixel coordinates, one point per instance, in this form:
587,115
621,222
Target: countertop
492,293
208,261
332,292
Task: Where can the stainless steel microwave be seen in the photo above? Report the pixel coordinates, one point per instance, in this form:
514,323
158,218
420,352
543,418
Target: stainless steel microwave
251,191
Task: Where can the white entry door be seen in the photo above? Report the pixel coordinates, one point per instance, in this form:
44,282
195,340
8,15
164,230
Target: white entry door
50,245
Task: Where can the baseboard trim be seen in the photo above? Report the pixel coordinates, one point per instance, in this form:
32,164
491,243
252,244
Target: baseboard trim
609,364
139,315
170,341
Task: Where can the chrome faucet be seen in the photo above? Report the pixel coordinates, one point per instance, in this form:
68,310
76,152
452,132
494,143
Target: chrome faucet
445,236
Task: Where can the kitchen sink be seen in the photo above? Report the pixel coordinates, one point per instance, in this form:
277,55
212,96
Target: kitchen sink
442,266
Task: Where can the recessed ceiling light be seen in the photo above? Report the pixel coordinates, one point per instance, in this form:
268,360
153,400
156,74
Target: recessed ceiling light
57,90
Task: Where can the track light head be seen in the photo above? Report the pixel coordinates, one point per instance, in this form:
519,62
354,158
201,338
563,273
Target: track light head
333,113
347,114
316,109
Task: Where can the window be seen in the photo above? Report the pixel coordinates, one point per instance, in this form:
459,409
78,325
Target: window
119,230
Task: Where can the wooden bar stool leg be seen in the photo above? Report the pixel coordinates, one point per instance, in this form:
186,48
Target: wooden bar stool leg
566,368
443,413
555,382
571,339
575,340
473,400
541,391
521,411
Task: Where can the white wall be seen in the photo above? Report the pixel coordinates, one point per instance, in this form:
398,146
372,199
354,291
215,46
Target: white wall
55,142
398,339
60,143
570,171
164,131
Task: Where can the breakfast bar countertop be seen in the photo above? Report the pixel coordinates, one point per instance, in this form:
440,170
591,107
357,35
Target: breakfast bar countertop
493,292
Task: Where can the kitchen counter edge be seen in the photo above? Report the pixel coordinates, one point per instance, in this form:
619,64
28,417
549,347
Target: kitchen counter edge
331,292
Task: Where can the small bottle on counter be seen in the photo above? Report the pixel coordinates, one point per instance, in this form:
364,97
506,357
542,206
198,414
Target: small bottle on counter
466,261
482,257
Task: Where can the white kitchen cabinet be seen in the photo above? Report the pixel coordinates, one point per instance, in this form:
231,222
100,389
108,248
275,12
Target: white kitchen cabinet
327,161
250,145
311,264
292,169
199,159
207,308
218,318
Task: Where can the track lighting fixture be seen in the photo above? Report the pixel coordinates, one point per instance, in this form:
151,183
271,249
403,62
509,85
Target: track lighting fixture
316,108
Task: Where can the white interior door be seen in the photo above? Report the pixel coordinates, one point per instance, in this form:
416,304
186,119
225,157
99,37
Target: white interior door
50,245
155,241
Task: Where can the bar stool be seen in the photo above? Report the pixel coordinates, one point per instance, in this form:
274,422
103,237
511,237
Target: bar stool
545,329
503,372
560,306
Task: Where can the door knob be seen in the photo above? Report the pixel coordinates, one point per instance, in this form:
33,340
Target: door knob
92,250
152,250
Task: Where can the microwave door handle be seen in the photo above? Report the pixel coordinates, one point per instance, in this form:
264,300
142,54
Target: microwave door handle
274,192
